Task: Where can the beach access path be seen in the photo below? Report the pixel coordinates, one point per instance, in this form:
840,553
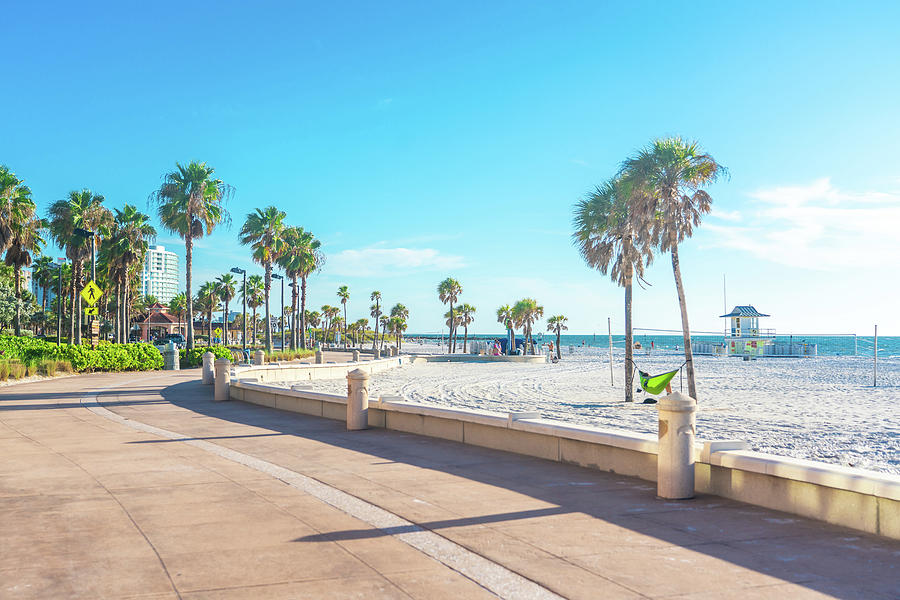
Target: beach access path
138,485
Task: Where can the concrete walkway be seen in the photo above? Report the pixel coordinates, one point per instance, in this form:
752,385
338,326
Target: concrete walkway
231,500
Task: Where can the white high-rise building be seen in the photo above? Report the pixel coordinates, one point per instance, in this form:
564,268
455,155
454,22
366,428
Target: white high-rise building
160,275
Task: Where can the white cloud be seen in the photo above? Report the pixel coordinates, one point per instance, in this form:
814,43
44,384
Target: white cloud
390,261
817,226
726,215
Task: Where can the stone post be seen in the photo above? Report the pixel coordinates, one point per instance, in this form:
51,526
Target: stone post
357,400
259,357
171,358
675,458
320,356
209,374
355,355
376,354
223,379
394,351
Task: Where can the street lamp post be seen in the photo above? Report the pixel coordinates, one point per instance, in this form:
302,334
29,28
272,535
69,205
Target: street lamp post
281,277
243,272
59,300
294,319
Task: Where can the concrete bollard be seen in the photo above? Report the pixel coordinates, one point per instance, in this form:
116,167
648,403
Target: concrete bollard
356,356
208,373
675,458
376,354
394,351
357,400
320,356
223,379
259,357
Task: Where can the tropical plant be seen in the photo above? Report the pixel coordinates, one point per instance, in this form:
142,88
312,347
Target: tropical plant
525,313
24,243
362,325
191,203
208,301
299,258
613,237
43,271
312,319
344,294
256,295
124,253
397,325
399,311
178,306
375,313
670,174
262,231
557,325
467,317
448,292
505,317
80,210
226,289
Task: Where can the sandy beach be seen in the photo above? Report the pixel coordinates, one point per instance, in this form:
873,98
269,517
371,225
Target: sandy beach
822,409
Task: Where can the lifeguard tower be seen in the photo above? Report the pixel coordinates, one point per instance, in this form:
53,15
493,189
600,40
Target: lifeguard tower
744,336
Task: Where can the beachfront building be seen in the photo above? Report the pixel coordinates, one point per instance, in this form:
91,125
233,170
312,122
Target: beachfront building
744,336
159,323
160,275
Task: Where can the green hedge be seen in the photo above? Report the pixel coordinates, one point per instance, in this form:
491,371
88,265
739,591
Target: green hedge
194,358
106,357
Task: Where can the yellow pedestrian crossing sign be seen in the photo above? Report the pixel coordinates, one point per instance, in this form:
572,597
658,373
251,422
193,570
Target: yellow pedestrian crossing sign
91,293
91,311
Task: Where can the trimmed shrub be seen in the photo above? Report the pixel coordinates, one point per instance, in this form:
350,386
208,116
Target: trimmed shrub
82,358
194,358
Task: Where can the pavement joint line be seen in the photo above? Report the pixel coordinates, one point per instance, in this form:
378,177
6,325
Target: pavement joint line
492,576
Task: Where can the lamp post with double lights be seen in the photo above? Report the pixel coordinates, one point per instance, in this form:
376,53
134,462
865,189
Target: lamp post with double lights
239,271
281,278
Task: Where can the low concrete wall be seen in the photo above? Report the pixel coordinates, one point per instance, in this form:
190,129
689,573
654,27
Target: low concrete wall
863,500
303,371
526,358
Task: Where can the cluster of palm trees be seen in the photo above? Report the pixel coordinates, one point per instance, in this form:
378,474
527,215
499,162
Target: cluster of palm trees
652,204
521,315
394,322
112,242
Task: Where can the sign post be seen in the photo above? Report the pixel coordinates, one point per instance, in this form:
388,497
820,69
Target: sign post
91,295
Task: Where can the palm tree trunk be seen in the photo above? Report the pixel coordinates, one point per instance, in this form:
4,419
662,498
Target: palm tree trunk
303,312
117,322
466,339
345,323
558,352
17,275
225,323
685,327
268,318
295,293
188,265
451,345
629,343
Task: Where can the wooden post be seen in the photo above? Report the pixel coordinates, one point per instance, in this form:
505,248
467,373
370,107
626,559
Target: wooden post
875,361
609,328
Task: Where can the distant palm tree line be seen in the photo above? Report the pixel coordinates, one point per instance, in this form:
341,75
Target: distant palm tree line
653,203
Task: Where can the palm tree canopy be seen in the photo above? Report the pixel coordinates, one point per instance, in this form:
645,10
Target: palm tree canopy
449,290
343,293
670,174
557,323
262,231
609,233
226,286
80,210
526,312
14,195
26,230
399,310
191,202
505,316
255,291
300,255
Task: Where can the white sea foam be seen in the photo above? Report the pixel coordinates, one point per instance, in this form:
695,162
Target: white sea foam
823,409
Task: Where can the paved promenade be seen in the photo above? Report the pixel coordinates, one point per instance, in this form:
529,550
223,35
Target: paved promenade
139,486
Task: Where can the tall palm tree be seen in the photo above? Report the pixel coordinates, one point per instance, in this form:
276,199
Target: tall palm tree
313,319
12,190
344,294
191,203
208,301
42,272
80,210
177,306
362,325
505,317
256,296
612,236
300,257
399,311
384,320
449,291
525,313
332,314
467,317
670,174
226,285
557,325
25,243
124,252
397,325
375,313
262,231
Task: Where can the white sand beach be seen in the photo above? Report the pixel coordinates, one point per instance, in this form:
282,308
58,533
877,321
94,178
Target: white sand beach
823,409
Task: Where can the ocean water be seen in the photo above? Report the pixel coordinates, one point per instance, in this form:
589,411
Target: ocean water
828,345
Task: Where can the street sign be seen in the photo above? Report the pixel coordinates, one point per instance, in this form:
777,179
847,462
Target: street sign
95,333
91,293
92,311
218,331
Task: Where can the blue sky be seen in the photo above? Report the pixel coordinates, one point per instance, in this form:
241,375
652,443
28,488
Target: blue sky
421,140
